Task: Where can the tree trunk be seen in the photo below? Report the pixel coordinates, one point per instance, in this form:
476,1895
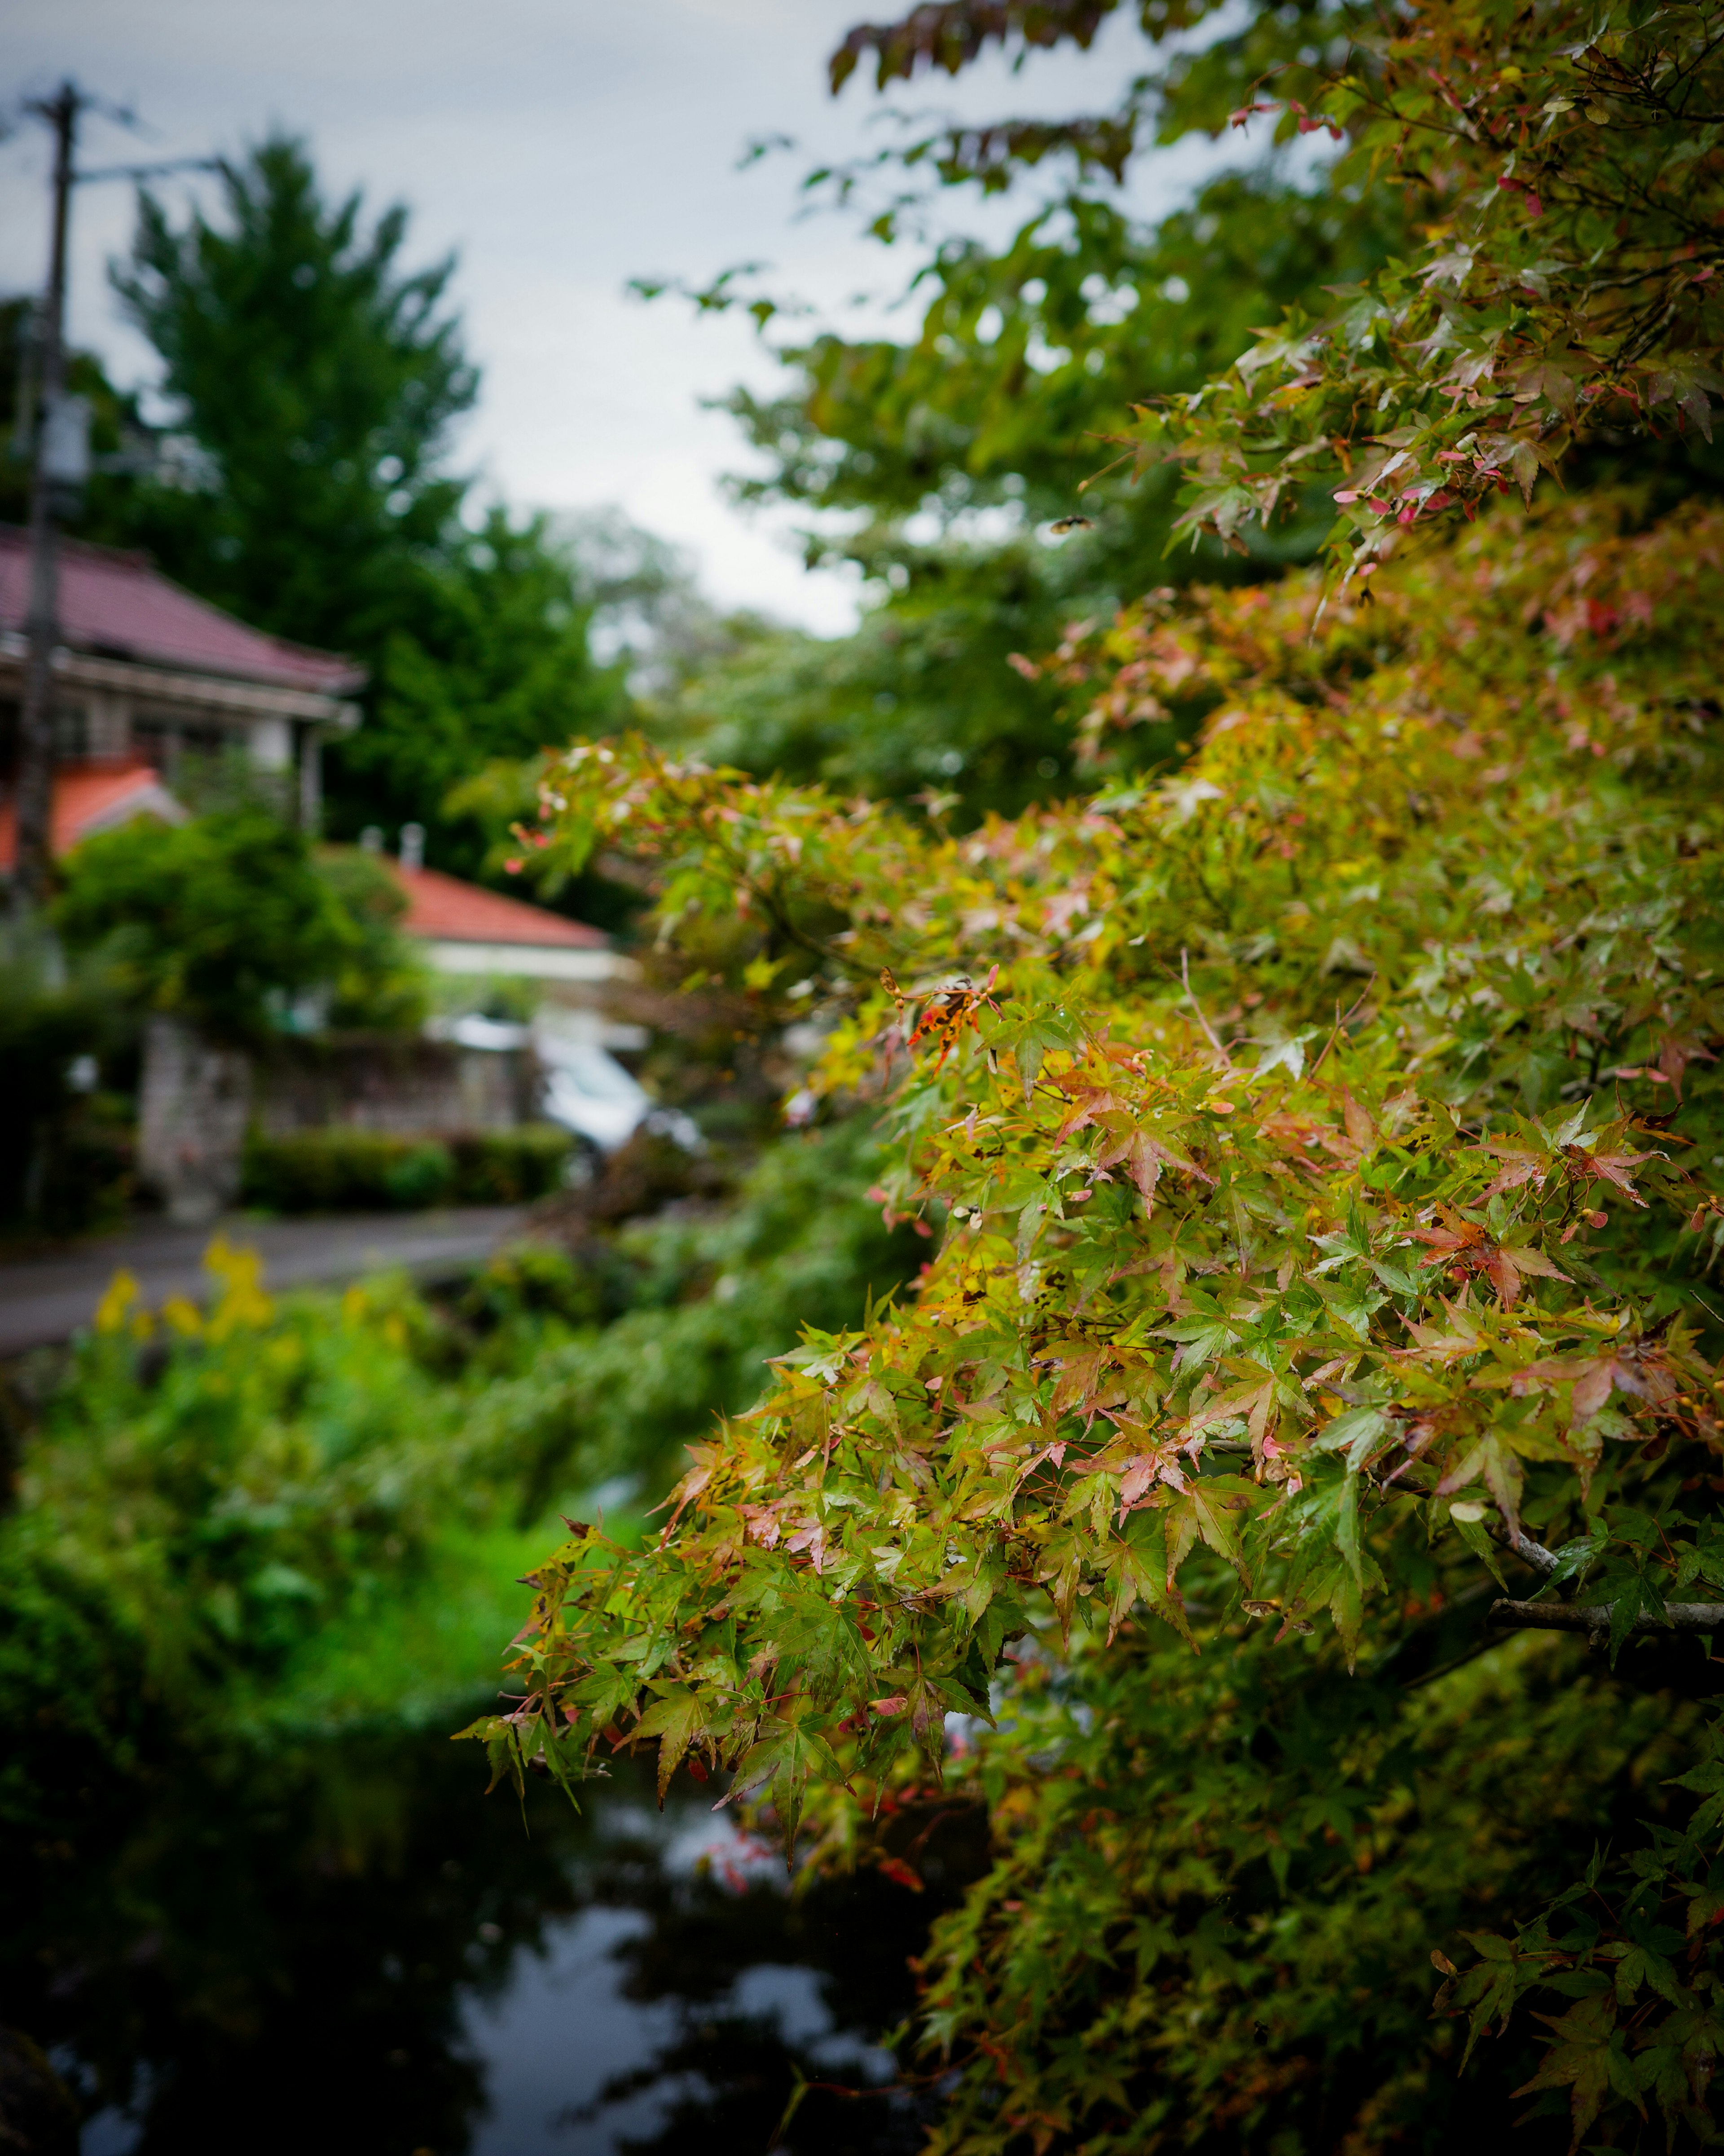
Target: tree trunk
196,1099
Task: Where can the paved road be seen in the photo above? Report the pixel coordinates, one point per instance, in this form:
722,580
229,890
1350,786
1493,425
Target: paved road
46,1299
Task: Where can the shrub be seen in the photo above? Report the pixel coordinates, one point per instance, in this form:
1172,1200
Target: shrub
510,1168
338,1169
226,920
208,920
65,1159
230,1513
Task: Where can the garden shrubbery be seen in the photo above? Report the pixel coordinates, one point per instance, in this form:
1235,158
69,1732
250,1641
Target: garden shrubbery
228,1519
337,1169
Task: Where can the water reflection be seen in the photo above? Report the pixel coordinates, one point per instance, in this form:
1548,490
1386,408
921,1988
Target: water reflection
346,1949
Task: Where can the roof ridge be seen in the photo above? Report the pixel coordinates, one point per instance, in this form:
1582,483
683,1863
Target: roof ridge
154,589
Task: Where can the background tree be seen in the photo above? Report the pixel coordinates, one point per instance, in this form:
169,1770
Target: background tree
494,660
321,380
938,464
317,381
222,920
119,439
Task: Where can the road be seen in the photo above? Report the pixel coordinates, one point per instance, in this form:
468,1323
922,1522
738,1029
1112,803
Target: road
45,1299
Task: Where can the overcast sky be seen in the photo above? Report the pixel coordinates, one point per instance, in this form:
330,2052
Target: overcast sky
561,147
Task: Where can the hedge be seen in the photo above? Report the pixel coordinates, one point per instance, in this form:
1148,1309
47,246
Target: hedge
338,1169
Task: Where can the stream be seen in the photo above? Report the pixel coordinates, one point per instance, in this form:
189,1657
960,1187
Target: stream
343,1946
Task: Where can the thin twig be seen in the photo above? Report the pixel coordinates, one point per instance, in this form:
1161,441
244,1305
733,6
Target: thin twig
1339,1022
1210,1031
1595,1618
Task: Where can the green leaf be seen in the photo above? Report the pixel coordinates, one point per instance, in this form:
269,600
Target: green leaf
676,1720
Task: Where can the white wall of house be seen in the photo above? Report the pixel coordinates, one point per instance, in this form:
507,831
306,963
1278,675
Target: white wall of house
526,962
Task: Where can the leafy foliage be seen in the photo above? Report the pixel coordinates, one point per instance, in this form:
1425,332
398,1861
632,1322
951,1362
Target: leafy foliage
1566,159
495,659
936,461
267,1511
983,426
1218,1880
117,433
1318,1142
64,1156
206,1489
218,919
324,1169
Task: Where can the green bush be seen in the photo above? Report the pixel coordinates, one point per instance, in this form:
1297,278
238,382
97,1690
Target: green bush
65,1157
270,1512
510,1168
214,919
338,1169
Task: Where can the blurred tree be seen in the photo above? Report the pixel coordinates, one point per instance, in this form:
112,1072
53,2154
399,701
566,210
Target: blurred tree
937,464
319,380
118,440
218,921
495,659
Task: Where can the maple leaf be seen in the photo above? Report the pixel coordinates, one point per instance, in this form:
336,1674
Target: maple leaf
676,1720
1208,1510
1093,1103
1589,2059
1144,1157
1490,1990
1611,1168
1521,1166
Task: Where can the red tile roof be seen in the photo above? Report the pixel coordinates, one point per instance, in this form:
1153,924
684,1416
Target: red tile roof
121,607
445,909
91,798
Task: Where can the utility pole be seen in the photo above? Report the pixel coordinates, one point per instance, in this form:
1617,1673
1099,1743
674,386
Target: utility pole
35,757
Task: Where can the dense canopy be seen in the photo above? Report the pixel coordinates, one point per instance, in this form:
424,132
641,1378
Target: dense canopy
1296,1467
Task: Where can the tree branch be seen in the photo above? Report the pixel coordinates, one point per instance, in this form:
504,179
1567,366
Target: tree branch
1595,1618
1531,1553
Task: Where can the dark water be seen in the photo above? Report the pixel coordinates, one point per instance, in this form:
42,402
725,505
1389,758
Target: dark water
349,1949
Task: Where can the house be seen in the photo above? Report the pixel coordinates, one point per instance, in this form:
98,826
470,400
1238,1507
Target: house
465,930
145,672
90,797
147,675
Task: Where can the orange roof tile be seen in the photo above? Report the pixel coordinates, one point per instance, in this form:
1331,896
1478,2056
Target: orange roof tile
445,910
91,798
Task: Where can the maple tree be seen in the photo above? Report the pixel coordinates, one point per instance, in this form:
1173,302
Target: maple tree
1566,159
1297,1465
1561,164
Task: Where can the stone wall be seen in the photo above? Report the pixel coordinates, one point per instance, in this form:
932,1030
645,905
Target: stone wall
198,1100
401,1085
194,1105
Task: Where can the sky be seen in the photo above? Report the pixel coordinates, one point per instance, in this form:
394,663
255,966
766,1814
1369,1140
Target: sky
560,148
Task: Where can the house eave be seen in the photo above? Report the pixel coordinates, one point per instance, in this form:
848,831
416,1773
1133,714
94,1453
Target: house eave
201,695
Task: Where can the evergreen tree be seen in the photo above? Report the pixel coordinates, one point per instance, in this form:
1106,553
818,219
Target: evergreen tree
495,663
320,379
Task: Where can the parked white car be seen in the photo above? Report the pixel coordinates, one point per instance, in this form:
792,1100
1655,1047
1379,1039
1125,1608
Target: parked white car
589,1092
585,1089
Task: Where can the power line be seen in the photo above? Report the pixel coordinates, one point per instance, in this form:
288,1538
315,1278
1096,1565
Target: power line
60,457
